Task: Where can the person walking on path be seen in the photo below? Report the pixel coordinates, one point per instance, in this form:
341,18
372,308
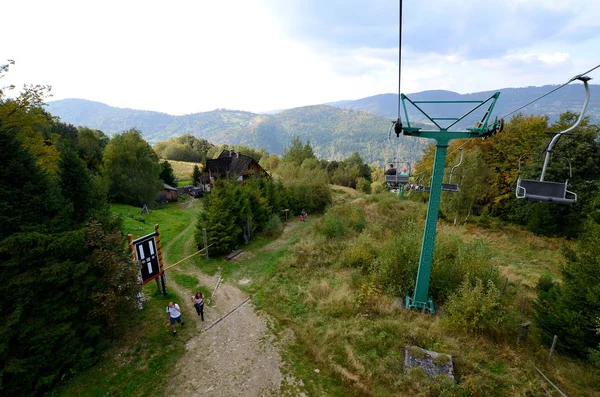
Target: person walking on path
174,315
198,301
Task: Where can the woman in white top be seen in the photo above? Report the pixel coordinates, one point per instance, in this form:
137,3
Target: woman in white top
198,301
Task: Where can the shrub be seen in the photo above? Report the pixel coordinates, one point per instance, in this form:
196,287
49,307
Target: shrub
363,185
273,227
477,308
339,220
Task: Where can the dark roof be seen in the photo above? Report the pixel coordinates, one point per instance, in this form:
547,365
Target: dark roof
230,162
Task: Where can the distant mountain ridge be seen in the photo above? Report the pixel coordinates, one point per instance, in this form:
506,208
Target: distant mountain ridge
334,133
335,130
570,97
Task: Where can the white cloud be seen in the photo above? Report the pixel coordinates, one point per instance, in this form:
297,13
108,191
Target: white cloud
188,56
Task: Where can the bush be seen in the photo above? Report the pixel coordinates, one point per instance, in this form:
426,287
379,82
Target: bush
363,185
340,220
477,308
273,227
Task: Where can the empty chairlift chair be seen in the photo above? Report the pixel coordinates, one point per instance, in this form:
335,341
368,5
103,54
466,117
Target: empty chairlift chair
553,192
451,187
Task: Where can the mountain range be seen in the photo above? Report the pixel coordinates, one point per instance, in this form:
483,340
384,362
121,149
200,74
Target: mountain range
335,130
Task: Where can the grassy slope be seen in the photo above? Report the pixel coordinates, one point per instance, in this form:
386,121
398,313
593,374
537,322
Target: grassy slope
354,353
357,353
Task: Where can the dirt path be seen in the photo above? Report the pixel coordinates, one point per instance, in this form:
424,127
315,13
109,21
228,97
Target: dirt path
236,357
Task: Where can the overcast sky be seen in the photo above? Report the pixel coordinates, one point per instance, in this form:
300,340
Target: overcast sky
187,56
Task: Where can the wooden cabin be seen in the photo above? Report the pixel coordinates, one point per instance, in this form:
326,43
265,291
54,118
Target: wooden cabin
231,164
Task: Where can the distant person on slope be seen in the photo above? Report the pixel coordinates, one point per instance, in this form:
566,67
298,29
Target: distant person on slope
303,215
391,170
174,315
198,301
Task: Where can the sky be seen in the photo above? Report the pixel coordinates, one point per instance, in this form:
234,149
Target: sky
188,56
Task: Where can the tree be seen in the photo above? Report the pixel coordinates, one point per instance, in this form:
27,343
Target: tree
131,169
296,153
218,219
91,144
569,309
196,174
77,186
167,175
67,286
28,198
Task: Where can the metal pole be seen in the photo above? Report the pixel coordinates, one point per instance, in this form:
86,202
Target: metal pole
205,243
557,136
420,299
552,348
162,285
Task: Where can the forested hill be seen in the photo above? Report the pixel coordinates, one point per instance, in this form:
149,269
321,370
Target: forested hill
570,97
333,133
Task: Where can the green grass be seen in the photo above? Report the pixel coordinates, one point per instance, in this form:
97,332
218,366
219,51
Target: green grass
191,283
171,218
361,353
137,364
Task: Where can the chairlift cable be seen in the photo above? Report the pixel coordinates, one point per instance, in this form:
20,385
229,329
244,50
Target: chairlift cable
535,100
399,60
554,90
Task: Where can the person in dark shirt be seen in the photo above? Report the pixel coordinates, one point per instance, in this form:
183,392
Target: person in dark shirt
391,170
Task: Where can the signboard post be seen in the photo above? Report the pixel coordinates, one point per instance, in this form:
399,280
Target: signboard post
148,253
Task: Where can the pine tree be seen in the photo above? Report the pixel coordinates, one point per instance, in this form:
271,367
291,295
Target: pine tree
219,220
167,175
196,174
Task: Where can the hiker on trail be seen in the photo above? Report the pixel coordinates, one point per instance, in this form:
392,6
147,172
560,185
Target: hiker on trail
198,301
303,215
391,170
174,315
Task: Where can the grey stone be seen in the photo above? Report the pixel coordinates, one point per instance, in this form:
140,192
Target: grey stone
434,364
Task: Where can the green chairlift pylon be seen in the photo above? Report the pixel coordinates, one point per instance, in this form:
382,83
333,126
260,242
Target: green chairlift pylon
420,299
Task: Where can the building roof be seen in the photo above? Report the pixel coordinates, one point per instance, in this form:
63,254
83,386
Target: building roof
230,162
169,187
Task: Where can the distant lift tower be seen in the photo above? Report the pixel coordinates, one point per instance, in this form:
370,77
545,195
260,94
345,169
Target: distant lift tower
442,135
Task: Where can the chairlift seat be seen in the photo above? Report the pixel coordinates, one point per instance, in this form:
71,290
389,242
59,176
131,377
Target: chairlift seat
450,187
553,192
396,180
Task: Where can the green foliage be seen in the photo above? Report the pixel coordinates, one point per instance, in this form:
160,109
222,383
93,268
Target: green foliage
363,185
196,174
273,227
305,188
297,153
91,144
340,220
183,148
569,309
218,218
167,175
83,192
68,287
131,169
476,307
28,198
